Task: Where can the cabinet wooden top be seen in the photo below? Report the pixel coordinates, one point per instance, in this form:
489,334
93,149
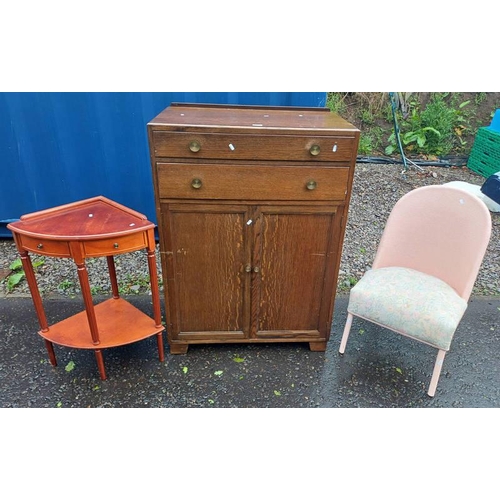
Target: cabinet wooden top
183,116
93,218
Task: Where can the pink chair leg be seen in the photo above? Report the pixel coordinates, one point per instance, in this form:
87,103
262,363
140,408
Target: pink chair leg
436,373
345,336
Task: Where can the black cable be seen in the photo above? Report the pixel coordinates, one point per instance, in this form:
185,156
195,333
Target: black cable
455,161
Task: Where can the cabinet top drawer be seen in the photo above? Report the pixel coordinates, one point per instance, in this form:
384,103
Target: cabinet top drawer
243,182
192,145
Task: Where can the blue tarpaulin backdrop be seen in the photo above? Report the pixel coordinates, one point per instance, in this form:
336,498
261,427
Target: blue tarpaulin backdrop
59,147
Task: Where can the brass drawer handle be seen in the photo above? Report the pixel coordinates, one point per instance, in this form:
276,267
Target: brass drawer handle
116,245
194,146
314,150
196,183
311,185
39,246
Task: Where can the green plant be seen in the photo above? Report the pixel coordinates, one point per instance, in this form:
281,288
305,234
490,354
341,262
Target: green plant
336,102
434,131
448,120
18,272
365,145
480,97
367,117
133,285
65,285
417,137
95,289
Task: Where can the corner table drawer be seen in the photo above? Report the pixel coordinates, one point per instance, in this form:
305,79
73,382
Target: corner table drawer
192,145
45,247
222,182
121,244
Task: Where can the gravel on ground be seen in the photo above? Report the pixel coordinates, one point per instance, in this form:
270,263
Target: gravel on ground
376,188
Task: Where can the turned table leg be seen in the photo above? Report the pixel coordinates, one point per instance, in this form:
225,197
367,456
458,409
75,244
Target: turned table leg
50,350
155,294
37,302
112,276
100,363
83,277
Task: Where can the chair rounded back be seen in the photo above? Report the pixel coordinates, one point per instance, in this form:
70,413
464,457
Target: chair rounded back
438,230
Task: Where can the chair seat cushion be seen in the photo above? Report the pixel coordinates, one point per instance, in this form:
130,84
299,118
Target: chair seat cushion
409,302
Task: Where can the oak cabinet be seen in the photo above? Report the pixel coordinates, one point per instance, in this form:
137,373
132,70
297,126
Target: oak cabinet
251,218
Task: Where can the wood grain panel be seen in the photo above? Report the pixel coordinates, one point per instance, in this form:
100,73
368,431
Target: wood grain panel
209,251
294,257
251,119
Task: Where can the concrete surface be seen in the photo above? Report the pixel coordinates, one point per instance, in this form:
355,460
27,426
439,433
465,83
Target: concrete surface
379,369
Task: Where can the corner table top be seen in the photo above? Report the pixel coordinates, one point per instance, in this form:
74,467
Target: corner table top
93,218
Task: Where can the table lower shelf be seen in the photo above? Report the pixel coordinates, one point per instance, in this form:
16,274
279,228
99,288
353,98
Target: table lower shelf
118,321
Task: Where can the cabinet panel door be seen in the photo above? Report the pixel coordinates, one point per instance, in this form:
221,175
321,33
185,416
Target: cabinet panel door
209,251
296,259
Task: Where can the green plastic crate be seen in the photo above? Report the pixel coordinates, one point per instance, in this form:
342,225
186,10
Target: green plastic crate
484,157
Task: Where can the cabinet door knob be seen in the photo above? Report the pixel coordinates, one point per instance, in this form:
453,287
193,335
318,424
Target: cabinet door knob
311,185
196,183
194,146
256,270
314,149
248,268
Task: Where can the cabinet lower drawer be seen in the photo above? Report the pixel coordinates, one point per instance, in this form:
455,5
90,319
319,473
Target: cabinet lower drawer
45,247
218,182
128,243
252,146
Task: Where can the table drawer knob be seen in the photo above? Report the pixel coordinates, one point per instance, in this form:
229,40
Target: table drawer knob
314,150
311,185
194,146
196,183
116,245
39,246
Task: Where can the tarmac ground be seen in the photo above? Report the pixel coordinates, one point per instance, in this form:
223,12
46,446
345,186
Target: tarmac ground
379,369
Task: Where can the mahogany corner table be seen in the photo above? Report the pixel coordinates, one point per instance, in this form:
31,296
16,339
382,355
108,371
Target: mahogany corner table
95,227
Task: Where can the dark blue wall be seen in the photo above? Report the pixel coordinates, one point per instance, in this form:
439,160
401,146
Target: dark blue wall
57,148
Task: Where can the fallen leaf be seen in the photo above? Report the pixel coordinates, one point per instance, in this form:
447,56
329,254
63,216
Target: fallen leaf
184,369
218,373
238,360
277,393
70,366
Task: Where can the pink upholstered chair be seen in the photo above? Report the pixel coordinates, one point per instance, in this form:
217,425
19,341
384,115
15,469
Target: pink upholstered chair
425,267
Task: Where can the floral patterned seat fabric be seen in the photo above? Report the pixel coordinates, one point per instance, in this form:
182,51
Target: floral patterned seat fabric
409,302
